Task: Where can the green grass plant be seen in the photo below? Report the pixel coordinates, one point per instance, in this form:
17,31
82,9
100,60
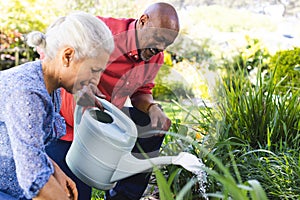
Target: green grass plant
230,187
278,172
251,136
257,114
260,129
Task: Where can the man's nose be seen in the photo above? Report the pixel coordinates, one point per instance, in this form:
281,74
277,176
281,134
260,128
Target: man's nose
161,47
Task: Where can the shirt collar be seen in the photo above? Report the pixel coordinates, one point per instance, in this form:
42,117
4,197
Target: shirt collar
131,42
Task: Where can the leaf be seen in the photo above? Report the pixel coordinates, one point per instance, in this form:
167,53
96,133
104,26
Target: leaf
173,175
164,189
186,189
297,68
257,193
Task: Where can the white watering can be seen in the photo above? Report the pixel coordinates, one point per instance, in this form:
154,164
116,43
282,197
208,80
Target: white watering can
100,154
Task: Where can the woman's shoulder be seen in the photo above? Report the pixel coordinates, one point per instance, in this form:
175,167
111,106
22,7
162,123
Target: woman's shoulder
31,71
23,76
23,71
23,81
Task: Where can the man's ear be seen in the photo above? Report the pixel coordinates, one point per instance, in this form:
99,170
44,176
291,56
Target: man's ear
143,19
68,55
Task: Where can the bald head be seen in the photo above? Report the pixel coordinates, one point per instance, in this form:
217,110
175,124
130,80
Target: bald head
157,28
163,15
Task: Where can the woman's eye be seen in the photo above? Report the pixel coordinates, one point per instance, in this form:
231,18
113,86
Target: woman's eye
97,70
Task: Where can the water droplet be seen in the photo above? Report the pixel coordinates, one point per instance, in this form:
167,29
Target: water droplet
202,180
193,164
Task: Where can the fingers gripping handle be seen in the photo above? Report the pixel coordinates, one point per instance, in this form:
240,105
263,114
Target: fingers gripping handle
79,109
121,119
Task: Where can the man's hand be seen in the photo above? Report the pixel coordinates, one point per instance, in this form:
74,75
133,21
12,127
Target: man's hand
87,96
144,102
159,120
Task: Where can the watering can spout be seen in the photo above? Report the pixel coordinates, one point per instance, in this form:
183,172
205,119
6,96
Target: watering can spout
129,165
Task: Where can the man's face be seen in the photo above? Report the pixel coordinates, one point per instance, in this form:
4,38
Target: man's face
153,41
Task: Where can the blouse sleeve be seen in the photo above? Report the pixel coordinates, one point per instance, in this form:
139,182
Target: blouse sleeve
29,117
59,125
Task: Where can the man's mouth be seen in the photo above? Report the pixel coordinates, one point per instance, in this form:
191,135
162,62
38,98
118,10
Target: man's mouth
154,51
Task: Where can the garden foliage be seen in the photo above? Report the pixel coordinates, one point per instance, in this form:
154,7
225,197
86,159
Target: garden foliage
285,63
253,129
249,139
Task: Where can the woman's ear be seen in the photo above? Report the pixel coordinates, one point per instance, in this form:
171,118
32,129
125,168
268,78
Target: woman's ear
68,55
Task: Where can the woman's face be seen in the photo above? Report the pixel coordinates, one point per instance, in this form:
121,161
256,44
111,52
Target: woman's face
85,71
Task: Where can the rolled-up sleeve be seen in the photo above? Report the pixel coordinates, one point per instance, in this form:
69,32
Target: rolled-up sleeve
29,124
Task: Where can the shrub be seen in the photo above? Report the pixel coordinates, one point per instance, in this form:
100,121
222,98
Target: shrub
166,89
285,62
258,114
261,129
171,91
254,131
253,55
13,50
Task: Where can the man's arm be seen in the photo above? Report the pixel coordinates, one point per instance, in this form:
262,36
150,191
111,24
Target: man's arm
142,101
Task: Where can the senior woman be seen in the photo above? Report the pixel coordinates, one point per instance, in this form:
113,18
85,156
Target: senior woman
76,49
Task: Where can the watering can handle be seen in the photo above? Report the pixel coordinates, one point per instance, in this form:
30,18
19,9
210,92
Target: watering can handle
121,120
78,114
106,105
79,109
120,116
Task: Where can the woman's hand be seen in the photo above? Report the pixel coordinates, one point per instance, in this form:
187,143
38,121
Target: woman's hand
52,190
66,183
86,96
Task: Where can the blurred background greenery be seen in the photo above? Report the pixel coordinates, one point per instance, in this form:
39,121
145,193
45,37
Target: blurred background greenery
229,83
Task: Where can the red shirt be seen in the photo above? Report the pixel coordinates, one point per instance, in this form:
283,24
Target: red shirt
125,75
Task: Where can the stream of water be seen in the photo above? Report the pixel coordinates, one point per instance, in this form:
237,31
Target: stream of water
193,164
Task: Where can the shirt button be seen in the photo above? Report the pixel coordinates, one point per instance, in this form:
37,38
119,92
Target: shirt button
127,83
130,54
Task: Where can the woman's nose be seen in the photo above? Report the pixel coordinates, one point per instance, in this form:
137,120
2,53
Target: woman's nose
95,78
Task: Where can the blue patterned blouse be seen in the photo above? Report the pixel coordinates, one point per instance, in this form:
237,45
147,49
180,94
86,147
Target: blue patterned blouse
29,120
